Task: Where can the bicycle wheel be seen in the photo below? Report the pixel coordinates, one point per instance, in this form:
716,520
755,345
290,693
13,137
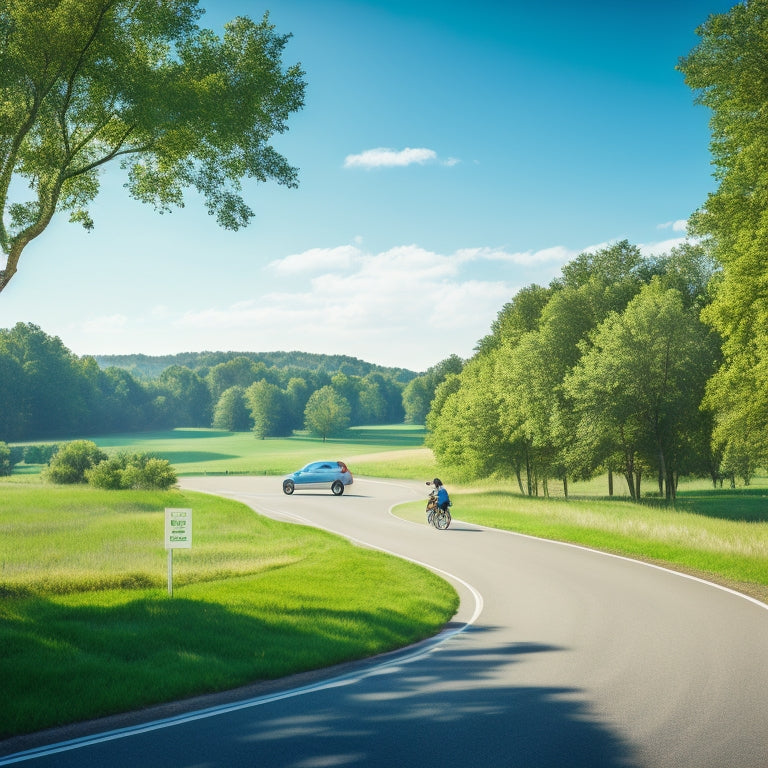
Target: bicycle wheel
442,519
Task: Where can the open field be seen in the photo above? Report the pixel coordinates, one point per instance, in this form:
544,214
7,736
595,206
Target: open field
87,627
209,451
82,572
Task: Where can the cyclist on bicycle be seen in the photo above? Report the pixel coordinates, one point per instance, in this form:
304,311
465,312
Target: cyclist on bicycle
443,500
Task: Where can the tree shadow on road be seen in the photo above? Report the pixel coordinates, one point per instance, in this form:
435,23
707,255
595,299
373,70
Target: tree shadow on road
446,710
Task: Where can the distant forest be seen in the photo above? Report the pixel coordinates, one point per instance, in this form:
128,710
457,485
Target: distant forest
151,366
48,393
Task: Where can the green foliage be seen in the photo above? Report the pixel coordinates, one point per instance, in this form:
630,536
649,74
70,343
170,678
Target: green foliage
327,412
418,394
725,71
87,628
39,454
267,406
138,471
231,412
606,368
641,380
72,461
86,81
5,460
46,391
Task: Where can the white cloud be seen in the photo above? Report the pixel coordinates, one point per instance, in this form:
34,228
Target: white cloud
557,254
663,246
406,306
680,225
315,260
383,157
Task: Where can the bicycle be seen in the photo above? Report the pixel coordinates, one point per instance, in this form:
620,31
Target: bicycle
439,518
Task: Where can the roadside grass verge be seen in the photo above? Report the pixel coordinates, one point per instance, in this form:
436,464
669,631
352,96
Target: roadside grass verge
719,535
87,627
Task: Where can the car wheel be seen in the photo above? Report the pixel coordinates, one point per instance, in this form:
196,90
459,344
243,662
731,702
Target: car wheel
337,488
288,487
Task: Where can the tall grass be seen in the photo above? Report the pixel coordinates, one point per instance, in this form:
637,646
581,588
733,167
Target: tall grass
87,627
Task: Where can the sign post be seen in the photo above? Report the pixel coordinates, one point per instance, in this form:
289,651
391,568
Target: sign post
178,535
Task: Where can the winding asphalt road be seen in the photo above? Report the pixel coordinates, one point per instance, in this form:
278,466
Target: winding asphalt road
560,657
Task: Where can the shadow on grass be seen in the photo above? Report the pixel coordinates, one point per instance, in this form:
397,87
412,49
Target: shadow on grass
735,504
63,663
748,505
191,457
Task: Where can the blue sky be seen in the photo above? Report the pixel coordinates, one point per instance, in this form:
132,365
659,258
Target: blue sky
449,154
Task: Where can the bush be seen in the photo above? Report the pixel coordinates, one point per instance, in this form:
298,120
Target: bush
72,461
108,474
138,471
39,454
5,460
149,472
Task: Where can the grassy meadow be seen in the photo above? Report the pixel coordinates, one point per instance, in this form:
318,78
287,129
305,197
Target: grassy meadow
207,451
87,627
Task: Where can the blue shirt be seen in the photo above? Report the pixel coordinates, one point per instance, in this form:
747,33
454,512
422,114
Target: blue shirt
442,496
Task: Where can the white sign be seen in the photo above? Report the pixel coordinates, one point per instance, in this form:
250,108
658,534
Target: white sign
178,528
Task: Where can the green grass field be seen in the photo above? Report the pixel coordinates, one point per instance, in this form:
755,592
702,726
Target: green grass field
206,451
87,628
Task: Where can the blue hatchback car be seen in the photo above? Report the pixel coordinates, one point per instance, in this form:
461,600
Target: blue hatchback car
320,474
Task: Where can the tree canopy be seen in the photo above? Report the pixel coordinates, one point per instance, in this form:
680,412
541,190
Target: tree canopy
86,82
727,70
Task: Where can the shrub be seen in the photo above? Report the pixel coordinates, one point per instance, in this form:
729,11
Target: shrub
72,460
5,460
108,474
39,454
138,471
148,472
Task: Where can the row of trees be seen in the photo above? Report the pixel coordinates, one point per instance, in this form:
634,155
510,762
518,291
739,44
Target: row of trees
642,367
605,369
46,392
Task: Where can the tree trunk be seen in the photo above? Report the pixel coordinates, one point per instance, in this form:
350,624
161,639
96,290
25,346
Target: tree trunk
565,486
519,479
610,481
529,479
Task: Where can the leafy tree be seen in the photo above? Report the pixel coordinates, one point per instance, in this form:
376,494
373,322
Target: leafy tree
327,412
297,393
464,424
13,396
52,397
5,459
85,82
725,71
190,396
237,372
231,412
418,393
72,461
417,397
517,317
642,379
266,403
